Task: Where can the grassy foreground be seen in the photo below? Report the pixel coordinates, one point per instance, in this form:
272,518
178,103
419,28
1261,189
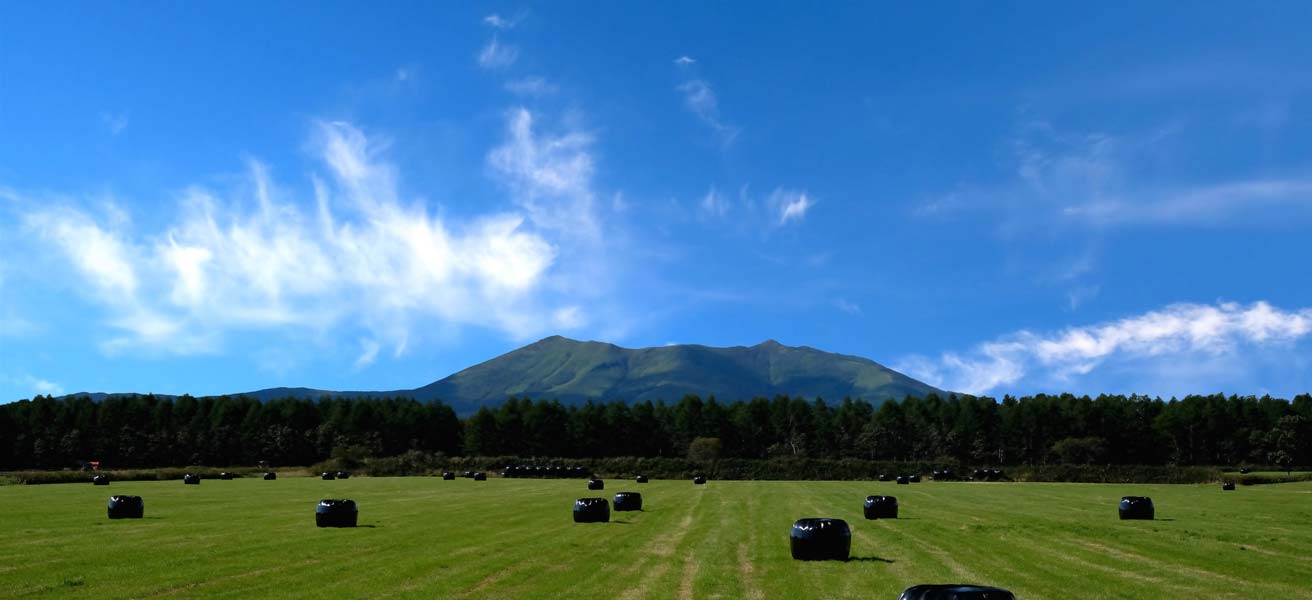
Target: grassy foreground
428,538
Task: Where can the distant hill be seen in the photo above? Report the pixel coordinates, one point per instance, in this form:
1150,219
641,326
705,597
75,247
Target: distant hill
574,371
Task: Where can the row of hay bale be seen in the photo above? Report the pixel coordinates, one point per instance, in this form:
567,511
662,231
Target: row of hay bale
544,472
597,510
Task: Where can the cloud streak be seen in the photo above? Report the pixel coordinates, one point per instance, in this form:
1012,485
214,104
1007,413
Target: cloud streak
700,99
357,256
1177,334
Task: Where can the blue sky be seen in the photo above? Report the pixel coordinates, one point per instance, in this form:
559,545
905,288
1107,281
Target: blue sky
995,198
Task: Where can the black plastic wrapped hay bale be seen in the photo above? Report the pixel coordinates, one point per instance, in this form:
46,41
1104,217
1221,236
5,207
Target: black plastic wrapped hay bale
191,479
1137,508
1228,486
699,480
100,480
953,591
480,476
336,513
270,476
591,510
881,507
225,476
640,479
628,501
903,480
596,484
980,475
1245,471
467,475
914,479
126,507
448,476
884,477
343,475
820,539
327,476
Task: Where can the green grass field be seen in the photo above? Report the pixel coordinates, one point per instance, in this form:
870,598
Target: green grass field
428,538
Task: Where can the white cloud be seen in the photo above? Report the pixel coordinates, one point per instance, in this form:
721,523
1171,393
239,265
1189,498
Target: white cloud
714,204
530,86
35,385
790,205
368,353
497,21
496,55
115,123
684,61
550,175
850,308
1178,334
357,255
1097,180
703,102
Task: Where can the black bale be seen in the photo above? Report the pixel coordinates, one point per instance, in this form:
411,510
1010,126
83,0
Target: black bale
336,513
699,480
191,479
952,591
596,484
100,480
270,476
226,476
914,479
467,474
641,479
326,476
448,476
480,476
1228,486
628,501
591,510
884,477
903,480
881,507
343,475
1136,507
820,539
980,475
126,507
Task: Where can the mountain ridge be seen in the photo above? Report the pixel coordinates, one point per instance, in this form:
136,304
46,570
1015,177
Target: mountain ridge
574,371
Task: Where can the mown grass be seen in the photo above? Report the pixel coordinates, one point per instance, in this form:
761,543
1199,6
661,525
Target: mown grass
428,538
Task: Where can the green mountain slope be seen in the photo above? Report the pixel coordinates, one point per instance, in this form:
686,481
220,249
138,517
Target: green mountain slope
574,371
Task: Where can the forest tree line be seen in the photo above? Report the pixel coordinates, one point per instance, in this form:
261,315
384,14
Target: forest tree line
152,431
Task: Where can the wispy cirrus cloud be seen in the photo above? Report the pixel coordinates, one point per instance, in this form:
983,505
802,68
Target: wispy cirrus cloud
357,254
497,55
700,99
1155,342
782,207
1095,180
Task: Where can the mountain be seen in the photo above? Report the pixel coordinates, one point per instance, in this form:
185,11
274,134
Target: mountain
574,371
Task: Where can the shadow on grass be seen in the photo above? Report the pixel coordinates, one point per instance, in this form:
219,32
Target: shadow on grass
870,559
619,522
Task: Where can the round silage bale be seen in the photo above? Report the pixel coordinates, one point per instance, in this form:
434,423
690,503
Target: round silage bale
955,591
591,510
126,507
1136,508
626,501
881,507
820,539
336,513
